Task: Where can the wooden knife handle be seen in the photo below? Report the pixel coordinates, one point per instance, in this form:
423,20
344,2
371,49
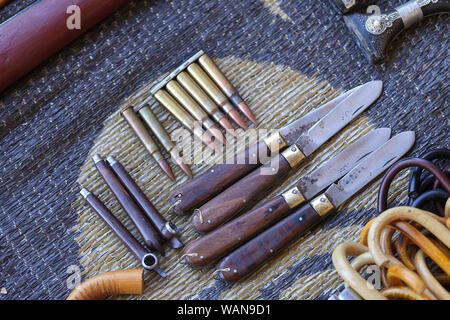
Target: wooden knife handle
216,244
242,193
250,256
199,190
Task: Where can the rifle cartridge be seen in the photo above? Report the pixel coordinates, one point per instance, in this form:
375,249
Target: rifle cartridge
148,142
214,92
182,116
194,109
223,83
205,101
152,122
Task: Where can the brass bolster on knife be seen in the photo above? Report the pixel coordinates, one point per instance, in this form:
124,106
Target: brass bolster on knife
293,155
293,197
322,205
275,142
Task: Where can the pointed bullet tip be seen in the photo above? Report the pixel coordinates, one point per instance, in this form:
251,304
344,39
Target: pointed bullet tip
238,119
166,168
184,167
247,112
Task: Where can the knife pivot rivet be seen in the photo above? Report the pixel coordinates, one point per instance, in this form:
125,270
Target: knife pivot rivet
300,219
294,191
234,270
179,195
293,149
212,170
270,209
209,221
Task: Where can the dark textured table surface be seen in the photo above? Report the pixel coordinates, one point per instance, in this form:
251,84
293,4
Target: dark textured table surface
284,56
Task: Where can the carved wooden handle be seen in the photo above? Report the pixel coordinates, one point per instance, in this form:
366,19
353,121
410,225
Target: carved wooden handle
250,256
248,190
199,190
226,238
108,284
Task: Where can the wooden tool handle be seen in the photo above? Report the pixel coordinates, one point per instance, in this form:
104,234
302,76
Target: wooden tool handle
108,284
199,190
226,238
248,190
250,256
40,30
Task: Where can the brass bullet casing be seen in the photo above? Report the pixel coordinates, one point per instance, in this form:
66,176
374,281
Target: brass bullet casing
194,109
223,83
293,197
293,155
182,116
204,100
155,126
214,92
322,205
148,142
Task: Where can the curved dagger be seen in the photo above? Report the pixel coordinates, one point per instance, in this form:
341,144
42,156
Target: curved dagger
254,253
234,233
253,186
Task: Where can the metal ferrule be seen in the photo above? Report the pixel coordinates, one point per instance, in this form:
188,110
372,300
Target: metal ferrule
173,107
293,197
140,130
152,122
208,85
85,192
216,75
275,142
293,155
186,100
149,261
322,205
410,12
197,92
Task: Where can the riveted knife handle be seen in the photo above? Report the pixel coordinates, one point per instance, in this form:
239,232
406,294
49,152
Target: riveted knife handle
199,190
254,253
223,240
241,194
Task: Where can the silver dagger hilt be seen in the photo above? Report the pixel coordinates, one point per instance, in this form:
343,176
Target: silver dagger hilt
374,32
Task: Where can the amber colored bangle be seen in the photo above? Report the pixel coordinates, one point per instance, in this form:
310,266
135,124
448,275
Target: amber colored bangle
365,232
351,277
397,274
402,251
420,216
404,293
431,282
110,283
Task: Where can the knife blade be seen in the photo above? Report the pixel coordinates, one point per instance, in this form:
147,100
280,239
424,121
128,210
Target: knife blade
254,185
254,253
234,233
339,117
199,190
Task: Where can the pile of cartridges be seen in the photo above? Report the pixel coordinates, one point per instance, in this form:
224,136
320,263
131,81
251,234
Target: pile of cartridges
154,229
198,95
